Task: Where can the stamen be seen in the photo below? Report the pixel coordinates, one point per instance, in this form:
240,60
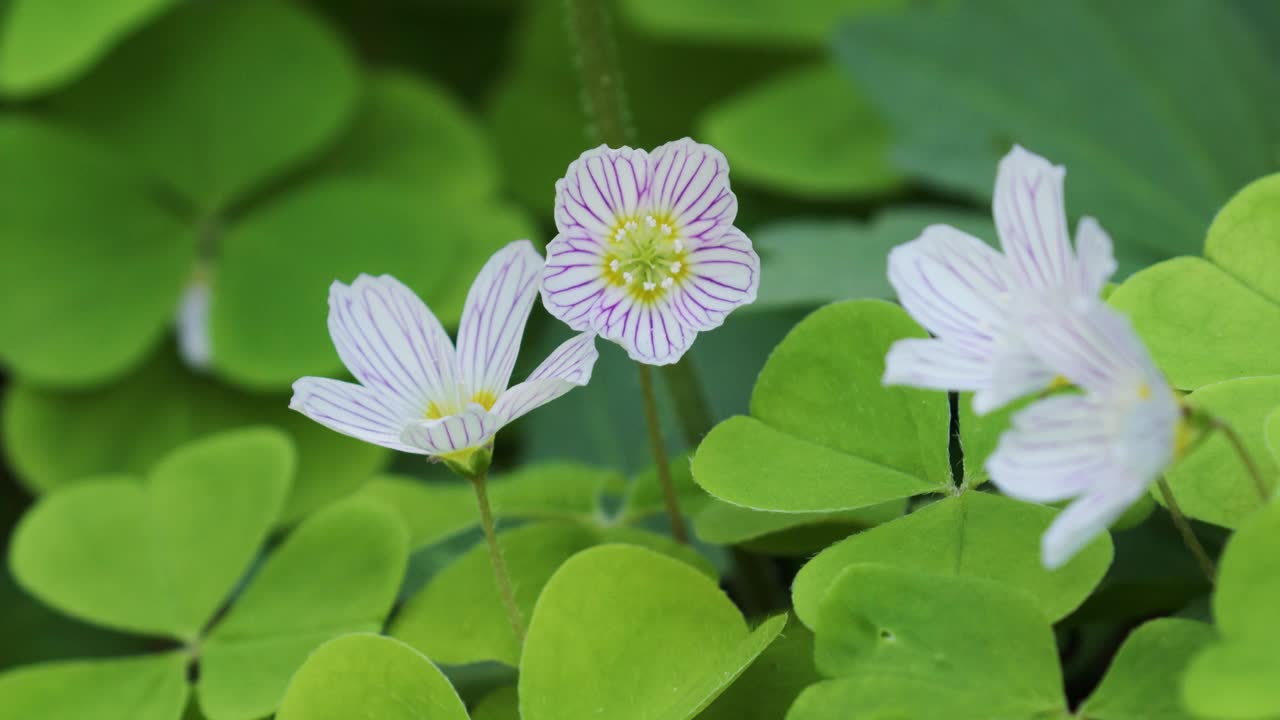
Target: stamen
614,265
627,278
666,229
648,219
649,286
631,225
668,282
675,267
679,245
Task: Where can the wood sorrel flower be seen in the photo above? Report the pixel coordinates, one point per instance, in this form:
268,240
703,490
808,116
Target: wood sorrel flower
647,254
1103,446
964,292
416,393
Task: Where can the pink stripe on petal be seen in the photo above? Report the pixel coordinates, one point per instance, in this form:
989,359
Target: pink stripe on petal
572,282
602,186
1031,219
494,317
650,332
690,181
390,340
472,428
952,283
353,410
568,367
723,275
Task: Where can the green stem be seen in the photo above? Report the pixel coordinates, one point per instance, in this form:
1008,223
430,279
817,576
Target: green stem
660,454
496,560
598,69
1188,534
1259,484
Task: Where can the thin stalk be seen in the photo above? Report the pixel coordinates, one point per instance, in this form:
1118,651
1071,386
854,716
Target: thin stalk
656,443
500,575
1264,492
1188,535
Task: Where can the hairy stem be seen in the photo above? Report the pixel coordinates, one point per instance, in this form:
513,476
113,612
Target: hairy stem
660,454
500,575
1188,535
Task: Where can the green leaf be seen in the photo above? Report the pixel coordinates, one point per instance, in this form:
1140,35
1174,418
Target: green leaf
94,263
1201,325
138,688
723,524
1214,320
56,438
337,573
157,557
768,687
501,704
1150,662
960,82
843,150
44,44
683,642
644,496
237,92
812,262
435,511
906,640
270,292
1235,677
369,676
1211,483
414,134
973,534
806,23
825,434
458,617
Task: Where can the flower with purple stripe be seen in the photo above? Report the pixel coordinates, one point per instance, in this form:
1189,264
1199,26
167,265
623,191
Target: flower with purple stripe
1103,445
965,293
647,254
419,394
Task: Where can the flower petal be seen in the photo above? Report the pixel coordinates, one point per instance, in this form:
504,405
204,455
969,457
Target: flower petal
1085,519
391,342
566,368
1057,448
472,428
494,316
600,188
953,284
354,410
650,331
722,275
691,185
1031,220
1088,343
195,344
1097,263
1014,371
934,364
573,280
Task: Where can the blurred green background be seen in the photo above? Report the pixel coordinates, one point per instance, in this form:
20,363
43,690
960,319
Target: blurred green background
252,151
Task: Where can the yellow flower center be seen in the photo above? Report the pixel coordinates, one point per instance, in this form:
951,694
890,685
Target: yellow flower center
435,411
646,255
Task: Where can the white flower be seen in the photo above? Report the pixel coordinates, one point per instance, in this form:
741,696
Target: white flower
416,393
647,254
964,292
1102,447
195,344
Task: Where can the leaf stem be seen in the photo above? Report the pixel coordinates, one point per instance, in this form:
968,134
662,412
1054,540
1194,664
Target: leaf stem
1188,534
500,575
1259,484
660,459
